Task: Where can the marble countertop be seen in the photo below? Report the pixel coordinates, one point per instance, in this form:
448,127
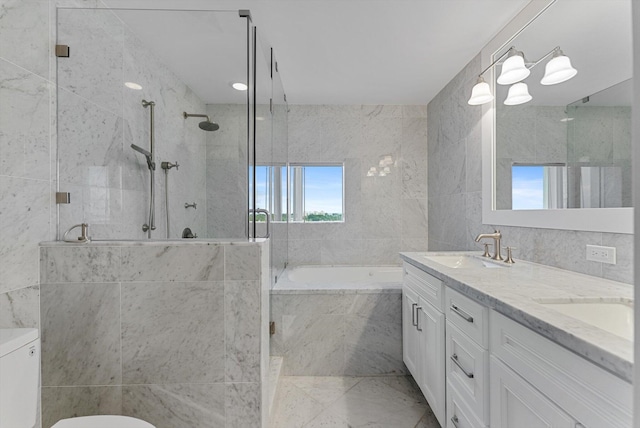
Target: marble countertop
513,291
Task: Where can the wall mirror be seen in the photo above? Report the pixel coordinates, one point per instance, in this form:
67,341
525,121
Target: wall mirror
562,160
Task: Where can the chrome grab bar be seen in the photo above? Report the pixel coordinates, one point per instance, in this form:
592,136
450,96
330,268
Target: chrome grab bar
454,358
413,314
460,312
266,213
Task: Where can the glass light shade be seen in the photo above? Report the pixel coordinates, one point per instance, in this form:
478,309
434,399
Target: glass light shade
513,70
518,94
481,93
558,70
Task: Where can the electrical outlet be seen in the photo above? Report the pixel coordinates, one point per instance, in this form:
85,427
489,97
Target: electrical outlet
598,253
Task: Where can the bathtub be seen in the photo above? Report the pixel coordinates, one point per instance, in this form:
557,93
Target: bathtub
338,320
347,279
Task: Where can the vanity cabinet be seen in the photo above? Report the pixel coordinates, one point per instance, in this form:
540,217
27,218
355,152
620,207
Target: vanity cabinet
467,361
423,335
536,382
478,368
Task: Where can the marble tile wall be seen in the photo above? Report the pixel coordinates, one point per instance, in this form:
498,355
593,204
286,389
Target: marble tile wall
455,193
99,118
383,215
172,334
340,334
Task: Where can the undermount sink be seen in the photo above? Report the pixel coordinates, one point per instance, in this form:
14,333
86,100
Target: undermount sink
463,261
613,316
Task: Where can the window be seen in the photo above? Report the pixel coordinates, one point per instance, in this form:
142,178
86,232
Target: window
317,192
271,191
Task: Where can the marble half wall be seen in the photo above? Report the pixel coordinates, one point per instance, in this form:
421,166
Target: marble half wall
172,333
455,193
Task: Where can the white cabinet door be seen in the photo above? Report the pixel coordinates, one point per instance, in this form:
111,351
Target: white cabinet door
410,336
432,352
515,403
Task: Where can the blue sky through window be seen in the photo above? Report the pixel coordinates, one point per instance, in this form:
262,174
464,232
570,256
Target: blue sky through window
323,189
527,187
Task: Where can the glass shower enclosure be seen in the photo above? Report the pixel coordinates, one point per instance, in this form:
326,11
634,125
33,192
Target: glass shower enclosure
154,141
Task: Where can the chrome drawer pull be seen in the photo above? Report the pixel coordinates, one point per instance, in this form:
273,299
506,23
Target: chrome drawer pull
463,314
454,358
418,318
413,314
455,421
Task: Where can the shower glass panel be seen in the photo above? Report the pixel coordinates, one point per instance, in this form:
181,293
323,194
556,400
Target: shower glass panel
262,143
279,157
184,62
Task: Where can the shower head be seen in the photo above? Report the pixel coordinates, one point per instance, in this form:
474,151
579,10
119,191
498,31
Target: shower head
150,163
206,125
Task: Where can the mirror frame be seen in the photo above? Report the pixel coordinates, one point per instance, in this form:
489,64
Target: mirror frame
611,220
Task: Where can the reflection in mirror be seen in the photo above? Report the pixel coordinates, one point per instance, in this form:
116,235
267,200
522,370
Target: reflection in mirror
570,146
595,172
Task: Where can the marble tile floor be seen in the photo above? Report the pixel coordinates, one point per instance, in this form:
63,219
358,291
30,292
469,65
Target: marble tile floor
350,402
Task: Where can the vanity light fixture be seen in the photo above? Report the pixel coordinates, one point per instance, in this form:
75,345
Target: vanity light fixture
481,93
518,94
558,69
515,69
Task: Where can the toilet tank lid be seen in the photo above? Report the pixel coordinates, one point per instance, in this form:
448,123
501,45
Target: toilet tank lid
102,421
15,338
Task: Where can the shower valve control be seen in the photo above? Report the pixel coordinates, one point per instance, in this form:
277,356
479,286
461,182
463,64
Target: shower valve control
169,165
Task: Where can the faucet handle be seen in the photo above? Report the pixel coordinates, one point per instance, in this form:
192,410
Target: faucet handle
509,258
486,251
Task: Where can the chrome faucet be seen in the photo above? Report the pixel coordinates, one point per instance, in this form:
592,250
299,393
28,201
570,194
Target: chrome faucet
496,236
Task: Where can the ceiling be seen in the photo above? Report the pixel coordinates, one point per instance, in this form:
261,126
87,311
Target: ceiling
332,51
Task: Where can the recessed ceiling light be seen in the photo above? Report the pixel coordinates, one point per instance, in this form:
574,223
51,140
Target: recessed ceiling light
239,86
132,85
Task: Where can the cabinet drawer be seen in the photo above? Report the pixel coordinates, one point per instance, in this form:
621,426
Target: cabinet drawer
427,286
469,316
588,393
459,415
467,370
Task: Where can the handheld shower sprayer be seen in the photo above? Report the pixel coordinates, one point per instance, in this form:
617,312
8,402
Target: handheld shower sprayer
150,163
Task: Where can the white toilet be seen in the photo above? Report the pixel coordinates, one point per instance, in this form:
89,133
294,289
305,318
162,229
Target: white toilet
19,372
